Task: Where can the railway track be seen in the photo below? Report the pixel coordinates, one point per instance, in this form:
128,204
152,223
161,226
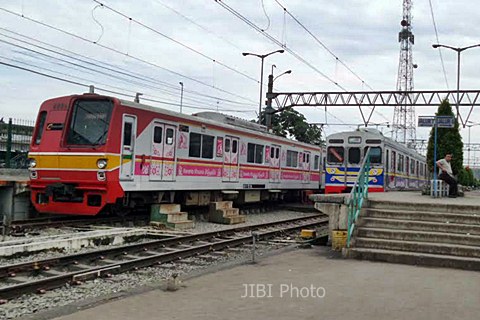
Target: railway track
19,227
40,276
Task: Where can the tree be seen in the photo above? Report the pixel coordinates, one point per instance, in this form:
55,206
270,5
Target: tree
448,140
294,124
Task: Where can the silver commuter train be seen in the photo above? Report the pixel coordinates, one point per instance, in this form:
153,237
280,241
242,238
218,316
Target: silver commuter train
393,165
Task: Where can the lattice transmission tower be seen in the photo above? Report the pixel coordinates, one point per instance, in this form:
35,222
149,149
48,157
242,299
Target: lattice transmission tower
404,116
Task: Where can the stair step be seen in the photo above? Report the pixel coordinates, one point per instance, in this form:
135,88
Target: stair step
219,205
415,235
414,258
177,216
436,205
461,218
234,219
417,246
419,225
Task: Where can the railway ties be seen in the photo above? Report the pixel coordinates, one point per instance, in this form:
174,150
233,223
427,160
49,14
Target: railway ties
43,275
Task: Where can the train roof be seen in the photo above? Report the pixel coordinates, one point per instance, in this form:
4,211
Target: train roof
375,134
212,118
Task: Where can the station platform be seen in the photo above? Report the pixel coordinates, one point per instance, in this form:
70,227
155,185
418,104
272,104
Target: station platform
471,198
351,290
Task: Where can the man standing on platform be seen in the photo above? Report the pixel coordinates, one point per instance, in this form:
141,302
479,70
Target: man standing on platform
446,174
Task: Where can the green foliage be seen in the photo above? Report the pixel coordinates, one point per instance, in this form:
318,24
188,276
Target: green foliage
448,140
466,178
294,124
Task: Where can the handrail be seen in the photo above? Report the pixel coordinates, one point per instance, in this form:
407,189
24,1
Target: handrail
358,193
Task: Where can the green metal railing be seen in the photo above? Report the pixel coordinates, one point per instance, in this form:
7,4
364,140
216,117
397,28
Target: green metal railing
357,195
15,136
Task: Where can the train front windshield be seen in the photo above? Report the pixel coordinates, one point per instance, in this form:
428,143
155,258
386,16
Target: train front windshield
90,122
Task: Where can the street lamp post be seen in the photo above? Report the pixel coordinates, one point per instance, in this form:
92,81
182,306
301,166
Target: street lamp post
262,57
458,50
181,97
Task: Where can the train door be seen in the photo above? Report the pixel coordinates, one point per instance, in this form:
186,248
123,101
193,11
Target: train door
127,152
230,159
306,167
275,164
162,156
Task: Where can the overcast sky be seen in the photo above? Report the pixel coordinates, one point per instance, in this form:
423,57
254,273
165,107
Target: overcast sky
363,34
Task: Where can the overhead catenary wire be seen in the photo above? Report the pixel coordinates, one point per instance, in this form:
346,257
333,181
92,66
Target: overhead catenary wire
89,67
284,46
196,51
71,34
106,90
111,67
438,41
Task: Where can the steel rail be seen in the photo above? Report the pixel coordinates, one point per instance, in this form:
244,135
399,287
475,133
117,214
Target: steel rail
135,256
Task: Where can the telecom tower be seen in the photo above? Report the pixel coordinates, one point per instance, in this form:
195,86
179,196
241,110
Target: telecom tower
404,116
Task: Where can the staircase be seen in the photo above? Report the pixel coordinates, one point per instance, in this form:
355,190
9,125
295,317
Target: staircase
420,234
170,216
223,212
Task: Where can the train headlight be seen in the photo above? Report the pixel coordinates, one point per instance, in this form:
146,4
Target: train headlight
32,163
102,163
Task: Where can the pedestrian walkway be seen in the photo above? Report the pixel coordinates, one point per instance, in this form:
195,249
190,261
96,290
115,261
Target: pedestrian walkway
307,284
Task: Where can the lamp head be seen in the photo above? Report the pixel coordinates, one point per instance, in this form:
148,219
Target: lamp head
281,51
288,71
435,46
245,53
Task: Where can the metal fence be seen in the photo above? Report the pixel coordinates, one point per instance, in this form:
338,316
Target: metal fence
15,137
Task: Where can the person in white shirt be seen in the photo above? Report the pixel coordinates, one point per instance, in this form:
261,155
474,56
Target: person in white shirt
446,174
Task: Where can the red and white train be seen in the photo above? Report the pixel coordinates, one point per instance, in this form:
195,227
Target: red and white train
92,153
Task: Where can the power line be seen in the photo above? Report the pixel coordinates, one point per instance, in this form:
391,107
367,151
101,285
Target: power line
177,41
322,44
438,41
84,67
71,34
199,25
106,90
284,46
337,59
274,40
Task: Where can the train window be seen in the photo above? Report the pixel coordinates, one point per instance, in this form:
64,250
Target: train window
335,154
272,152
416,171
234,146
207,146
90,122
127,134
394,161
41,125
277,153
227,145
308,157
354,155
407,167
375,154
292,159
373,141
316,162
304,158
157,135
201,145
254,153
354,140
335,141
400,163
169,136
195,145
